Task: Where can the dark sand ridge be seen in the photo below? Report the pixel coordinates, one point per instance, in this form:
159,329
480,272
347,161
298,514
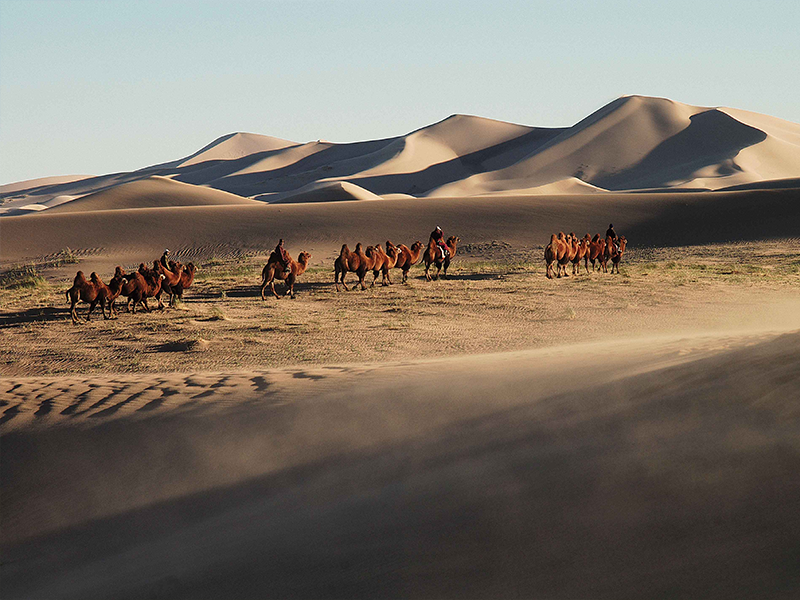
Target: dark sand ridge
647,220
654,474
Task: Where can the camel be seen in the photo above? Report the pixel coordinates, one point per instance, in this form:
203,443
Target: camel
139,288
616,256
171,278
358,262
115,289
274,270
581,254
93,291
609,250
155,279
432,256
596,249
408,257
551,252
186,280
384,261
566,252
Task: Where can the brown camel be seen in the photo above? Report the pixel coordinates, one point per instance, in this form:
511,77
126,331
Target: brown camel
384,262
115,289
274,270
358,261
581,255
186,280
408,257
433,256
609,250
617,254
172,278
139,288
570,248
93,291
596,249
551,252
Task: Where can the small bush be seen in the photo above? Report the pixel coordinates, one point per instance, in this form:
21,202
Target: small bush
21,277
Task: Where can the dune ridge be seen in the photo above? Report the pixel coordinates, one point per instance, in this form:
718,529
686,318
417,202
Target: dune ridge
634,143
152,192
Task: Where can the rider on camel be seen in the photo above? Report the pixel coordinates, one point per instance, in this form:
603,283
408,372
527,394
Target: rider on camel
610,233
437,235
283,257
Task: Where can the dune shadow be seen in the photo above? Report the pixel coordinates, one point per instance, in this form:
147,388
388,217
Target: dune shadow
712,138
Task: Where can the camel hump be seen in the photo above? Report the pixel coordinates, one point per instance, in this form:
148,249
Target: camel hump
344,250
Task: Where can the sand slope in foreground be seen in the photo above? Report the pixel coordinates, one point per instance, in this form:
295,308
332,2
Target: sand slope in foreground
653,473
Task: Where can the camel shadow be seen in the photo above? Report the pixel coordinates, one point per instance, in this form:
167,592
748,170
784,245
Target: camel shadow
465,276
34,315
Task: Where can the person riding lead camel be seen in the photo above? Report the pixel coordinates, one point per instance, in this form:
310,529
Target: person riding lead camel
165,258
437,235
610,233
283,256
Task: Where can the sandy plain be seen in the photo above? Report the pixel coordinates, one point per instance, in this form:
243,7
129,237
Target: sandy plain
493,434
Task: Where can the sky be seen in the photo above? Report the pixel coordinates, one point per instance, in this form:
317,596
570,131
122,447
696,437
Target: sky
95,87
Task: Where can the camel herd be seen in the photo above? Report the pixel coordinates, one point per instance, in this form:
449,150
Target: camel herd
374,258
565,249
165,277
173,278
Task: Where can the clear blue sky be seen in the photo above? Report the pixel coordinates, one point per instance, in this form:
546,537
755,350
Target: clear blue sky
97,87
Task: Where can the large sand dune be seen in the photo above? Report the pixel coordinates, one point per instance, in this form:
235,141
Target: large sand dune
153,192
655,473
633,143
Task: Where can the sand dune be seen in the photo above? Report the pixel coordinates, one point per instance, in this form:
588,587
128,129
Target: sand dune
655,473
325,191
635,143
32,184
150,193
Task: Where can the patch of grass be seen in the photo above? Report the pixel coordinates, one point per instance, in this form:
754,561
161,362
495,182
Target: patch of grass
62,257
26,276
217,314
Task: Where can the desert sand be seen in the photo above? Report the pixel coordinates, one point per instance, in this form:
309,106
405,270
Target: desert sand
495,434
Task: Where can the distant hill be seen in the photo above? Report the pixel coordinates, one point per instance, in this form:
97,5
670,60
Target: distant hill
635,143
